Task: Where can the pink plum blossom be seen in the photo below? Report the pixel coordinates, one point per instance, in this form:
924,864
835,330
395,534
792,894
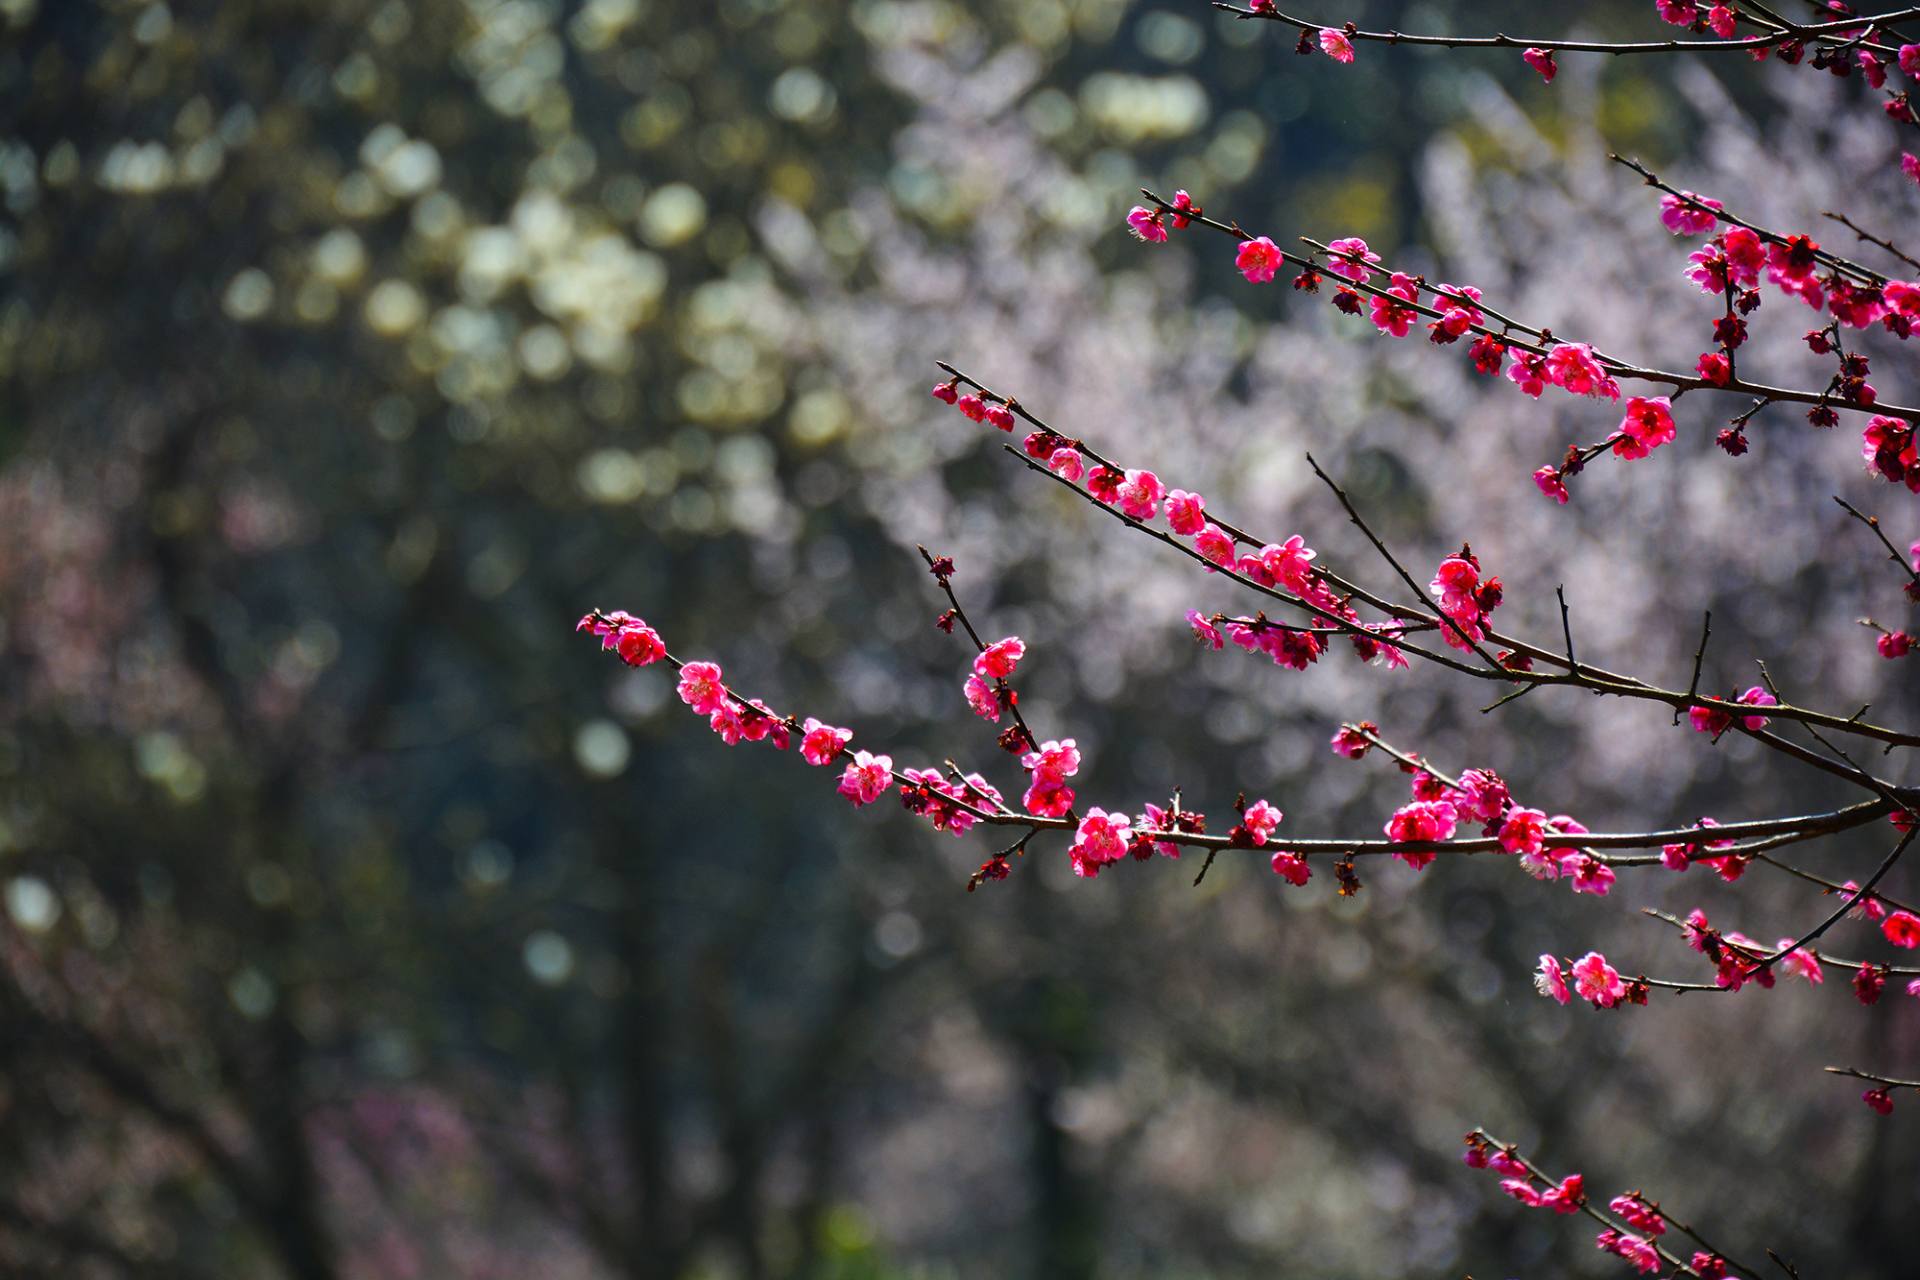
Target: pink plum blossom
822,742
866,778
1550,981
1257,259
1349,259
982,698
1336,45
700,687
1598,981
1147,224
1140,494
997,660
1184,512
1685,217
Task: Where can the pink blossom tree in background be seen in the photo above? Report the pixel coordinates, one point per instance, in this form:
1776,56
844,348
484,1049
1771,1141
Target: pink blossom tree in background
1817,393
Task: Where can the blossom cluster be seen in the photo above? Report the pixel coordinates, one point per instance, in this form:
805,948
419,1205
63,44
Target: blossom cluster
1715,721
952,805
1543,843
1142,497
1638,1247
1731,264
1591,978
1736,957
1739,959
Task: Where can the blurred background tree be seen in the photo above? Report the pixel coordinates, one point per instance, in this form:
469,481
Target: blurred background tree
359,923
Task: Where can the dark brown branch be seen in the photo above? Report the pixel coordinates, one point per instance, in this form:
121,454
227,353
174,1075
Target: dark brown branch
1830,33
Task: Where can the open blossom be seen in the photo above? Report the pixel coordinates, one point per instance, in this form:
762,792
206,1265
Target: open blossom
1257,259
1204,632
997,660
822,742
1910,165
1523,1190
1910,60
1350,740
1350,258
1588,874
1548,480
728,721
1459,311
1551,864
1140,494
1800,961
1454,584
1680,13
700,687
1720,21
1698,933
1154,818
1101,838
1902,929
1048,797
1574,368
1639,1252
1638,1214
1647,426
1529,373
1260,820
1215,544
1564,1197
1890,450
1524,831
981,697
1482,794
1550,981
1391,314
637,643
1902,298
1336,45
1568,1196
1745,253
1147,224
1866,906
1288,563
1431,821
1598,981
1184,512
1686,217
1291,867
1066,464
1054,760
866,778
